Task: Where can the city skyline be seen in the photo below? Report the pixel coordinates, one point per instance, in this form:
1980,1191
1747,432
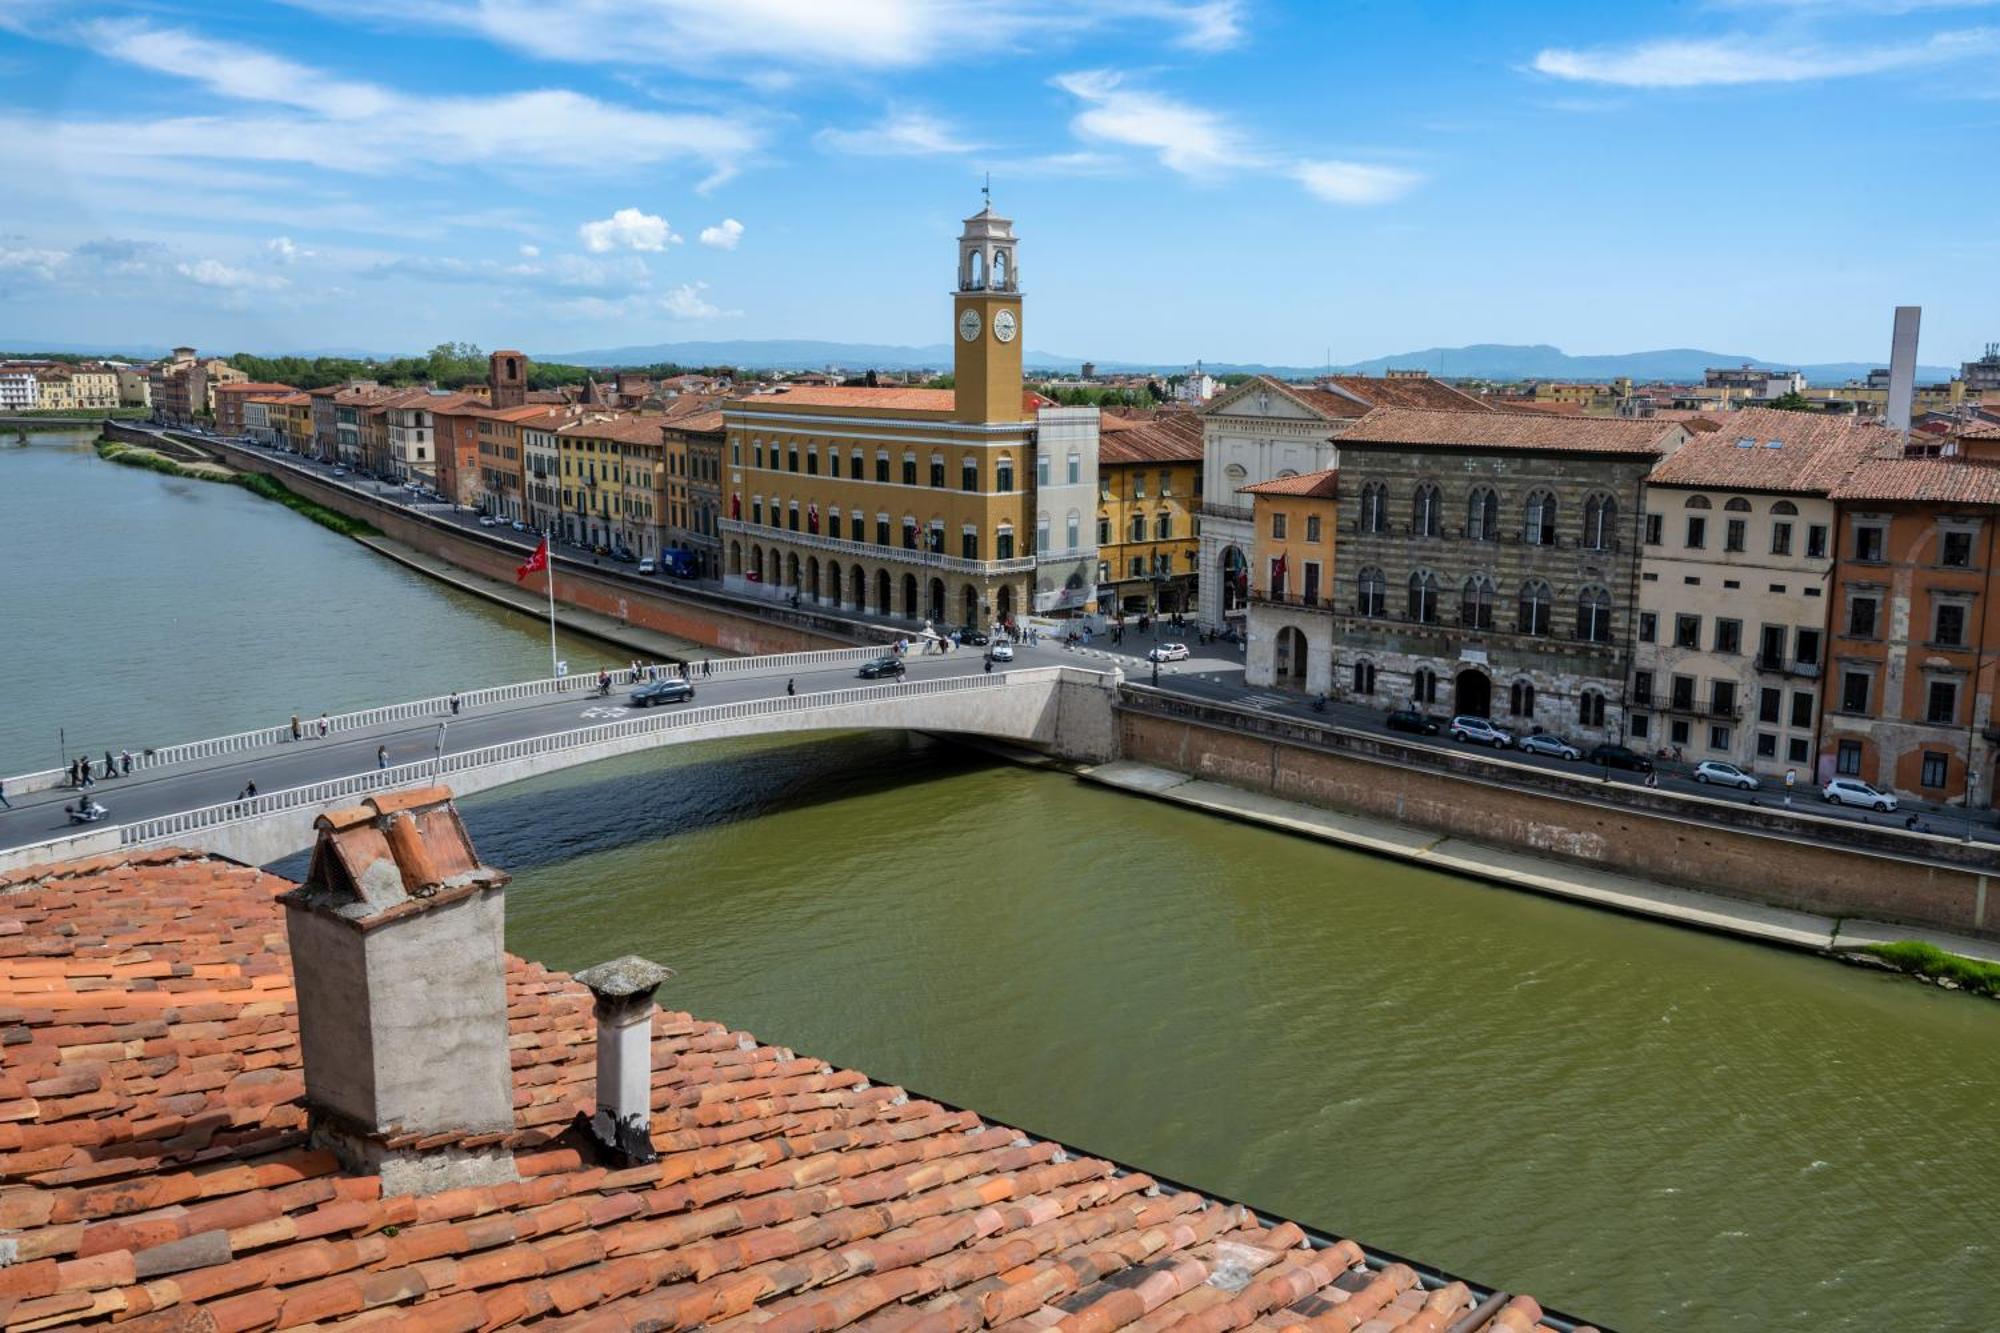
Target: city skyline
1188,179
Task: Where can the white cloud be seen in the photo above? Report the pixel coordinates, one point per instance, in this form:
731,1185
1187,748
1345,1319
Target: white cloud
1355,182
1186,138
530,251
32,260
723,235
627,229
233,70
687,302
1743,59
215,273
284,250
901,134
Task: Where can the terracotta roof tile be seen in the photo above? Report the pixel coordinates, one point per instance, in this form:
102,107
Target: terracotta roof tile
1409,426
1167,437
1322,485
1811,453
1922,480
154,1170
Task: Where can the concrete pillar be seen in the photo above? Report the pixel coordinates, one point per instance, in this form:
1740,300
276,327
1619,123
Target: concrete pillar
622,1127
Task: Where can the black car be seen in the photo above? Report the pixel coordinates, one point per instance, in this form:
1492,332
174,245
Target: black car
672,690
1619,756
1409,719
976,638
876,668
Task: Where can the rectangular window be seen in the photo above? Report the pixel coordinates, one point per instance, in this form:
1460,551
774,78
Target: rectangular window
1796,749
812,462
1728,636
1937,764
1861,618
1854,691
1687,631
1718,738
1802,708
1138,485
1103,531
1941,702
1722,698
1955,550
1868,543
1277,527
881,529
882,467
1848,761
1697,531
1312,527
1732,536
1639,726
1075,471
1807,648
1769,702
937,474
1041,469
968,476
1163,526
792,458
968,545
1948,624
855,466
1683,694
1653,522
909,469
1166,478
1679,731
1781,538
1642,688
1649,626
1816,541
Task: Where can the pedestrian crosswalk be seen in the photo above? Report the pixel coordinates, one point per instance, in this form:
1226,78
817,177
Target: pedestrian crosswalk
1267,700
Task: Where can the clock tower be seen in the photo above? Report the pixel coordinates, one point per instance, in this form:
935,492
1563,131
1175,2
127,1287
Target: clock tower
986,325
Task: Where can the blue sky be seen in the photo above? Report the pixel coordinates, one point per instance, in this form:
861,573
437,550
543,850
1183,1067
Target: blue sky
1235,180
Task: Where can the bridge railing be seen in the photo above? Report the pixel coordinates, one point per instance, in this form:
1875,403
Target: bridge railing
166,828
440,706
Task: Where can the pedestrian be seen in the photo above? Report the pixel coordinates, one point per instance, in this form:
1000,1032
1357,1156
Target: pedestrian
704,666
454,705
125,763
5,804
249,790
298,732
989,663
1652,777
1791,777
381,756
323,728
791,688
110,765
83,769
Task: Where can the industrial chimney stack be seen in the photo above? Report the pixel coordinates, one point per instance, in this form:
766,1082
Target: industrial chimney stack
1903,367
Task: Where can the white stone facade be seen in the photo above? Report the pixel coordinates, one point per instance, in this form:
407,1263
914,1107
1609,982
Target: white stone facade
1254,433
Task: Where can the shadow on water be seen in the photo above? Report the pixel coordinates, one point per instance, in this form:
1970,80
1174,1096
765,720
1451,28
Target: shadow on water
653,798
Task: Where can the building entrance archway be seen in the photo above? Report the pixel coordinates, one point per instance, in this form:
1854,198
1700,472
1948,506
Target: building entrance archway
1292,658
1472,693
935,601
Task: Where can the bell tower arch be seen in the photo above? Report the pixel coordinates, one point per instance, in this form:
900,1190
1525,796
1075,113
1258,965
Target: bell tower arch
986,321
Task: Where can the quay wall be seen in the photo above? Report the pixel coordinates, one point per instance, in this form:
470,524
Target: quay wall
1759,854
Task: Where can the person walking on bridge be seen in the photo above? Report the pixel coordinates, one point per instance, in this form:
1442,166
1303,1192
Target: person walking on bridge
298,732
323,726
791,687
125,763
381,756
454,703
5,804
110,765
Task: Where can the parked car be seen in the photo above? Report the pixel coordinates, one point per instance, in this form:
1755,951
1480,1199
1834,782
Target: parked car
340,472
672,690
1619,756
647,566
1480,731
1853,791
518,526
877,667
488,521
621,555
1001,652
1544,742
1409,719
1729,775
977,638
1168,652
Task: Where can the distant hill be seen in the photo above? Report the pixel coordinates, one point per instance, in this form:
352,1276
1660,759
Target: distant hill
1500,361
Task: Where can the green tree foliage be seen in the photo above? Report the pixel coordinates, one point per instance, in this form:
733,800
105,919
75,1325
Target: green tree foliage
1792,402
1090,395
448,366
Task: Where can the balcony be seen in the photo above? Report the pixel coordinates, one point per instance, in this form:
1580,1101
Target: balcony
1778,666
872,551
1704,708
1319,601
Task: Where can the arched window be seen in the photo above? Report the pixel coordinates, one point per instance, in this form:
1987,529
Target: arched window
1475,603
1424,511
1593,615
1736,504
1424,597
1424,686
1698,502
1373,598
975,272
968,473
999,270
1163,525
1482,515
1073,530
1374,507
1003,473
1364,677
1590,709
1521,699
1535,600
1785,508
856,466
1540,528
1600,523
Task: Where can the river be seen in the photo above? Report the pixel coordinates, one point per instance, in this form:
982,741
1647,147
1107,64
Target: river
1656,1128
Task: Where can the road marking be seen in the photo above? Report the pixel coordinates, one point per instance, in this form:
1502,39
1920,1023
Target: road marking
605,712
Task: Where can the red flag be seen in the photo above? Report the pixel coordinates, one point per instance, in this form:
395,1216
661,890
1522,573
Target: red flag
536,563
736,506
1278,574
812,517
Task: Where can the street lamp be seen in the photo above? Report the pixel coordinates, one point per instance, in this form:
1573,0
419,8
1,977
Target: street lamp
1971,793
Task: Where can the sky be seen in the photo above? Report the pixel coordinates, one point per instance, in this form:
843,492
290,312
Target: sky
1229,180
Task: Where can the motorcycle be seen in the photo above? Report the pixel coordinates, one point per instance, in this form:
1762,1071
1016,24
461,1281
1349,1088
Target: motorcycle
86,812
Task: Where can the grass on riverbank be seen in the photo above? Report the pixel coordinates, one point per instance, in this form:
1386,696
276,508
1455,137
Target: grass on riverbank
82,414
1918,958
112,451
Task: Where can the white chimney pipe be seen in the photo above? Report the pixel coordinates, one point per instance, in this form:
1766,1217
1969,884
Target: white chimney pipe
1903,367
622,1128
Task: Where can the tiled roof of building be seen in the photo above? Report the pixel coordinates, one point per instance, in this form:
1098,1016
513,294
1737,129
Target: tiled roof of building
698,423
623,429
1411,426
253,386
1345,397
1322,485
1168,437
809,395
1811,454
154,1171
1922,480
1979,430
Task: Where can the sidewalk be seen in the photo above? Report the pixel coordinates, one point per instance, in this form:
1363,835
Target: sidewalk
1614,892
651,645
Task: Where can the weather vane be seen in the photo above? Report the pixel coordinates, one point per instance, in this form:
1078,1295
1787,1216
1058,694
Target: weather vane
986,190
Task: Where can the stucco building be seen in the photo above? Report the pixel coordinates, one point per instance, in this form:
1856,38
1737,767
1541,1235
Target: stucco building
695,448
1735,572
1489,563
1293,590
1148,516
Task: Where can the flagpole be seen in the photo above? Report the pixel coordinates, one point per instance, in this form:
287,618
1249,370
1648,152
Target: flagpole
549,568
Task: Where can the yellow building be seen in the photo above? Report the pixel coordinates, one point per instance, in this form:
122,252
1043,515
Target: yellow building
907,503
1148,513
291,420
56,392
614,479
1292,586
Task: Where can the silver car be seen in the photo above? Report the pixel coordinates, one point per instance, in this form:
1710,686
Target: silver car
1728,775
1544,742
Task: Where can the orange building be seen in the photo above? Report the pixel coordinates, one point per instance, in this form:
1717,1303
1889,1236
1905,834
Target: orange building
229,404
1291,577
1908,703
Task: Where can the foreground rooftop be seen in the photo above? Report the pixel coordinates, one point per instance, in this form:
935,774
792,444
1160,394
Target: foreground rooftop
156,1170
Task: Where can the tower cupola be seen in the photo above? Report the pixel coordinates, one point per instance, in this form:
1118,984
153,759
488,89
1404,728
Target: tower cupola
986,254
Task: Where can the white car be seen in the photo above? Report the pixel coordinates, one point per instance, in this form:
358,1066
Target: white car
519,526
1853,791
647,566
1543,742
488,521
1001,652
1729,775
1479,731
1168,652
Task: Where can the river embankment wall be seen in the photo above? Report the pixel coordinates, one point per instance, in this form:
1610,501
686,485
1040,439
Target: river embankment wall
1765,854
712,619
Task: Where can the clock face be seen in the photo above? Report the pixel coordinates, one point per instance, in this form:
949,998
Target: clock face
968,325
1003,326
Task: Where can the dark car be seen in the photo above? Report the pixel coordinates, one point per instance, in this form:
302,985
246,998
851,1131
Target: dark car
876,668
1409,719
1619,756
669,691
976,638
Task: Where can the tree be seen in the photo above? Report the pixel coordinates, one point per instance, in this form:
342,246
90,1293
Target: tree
1792,402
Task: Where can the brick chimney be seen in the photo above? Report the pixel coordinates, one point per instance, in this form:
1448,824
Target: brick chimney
621,1131
398,960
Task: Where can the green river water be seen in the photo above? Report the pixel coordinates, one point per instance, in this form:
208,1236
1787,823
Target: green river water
1651,1127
